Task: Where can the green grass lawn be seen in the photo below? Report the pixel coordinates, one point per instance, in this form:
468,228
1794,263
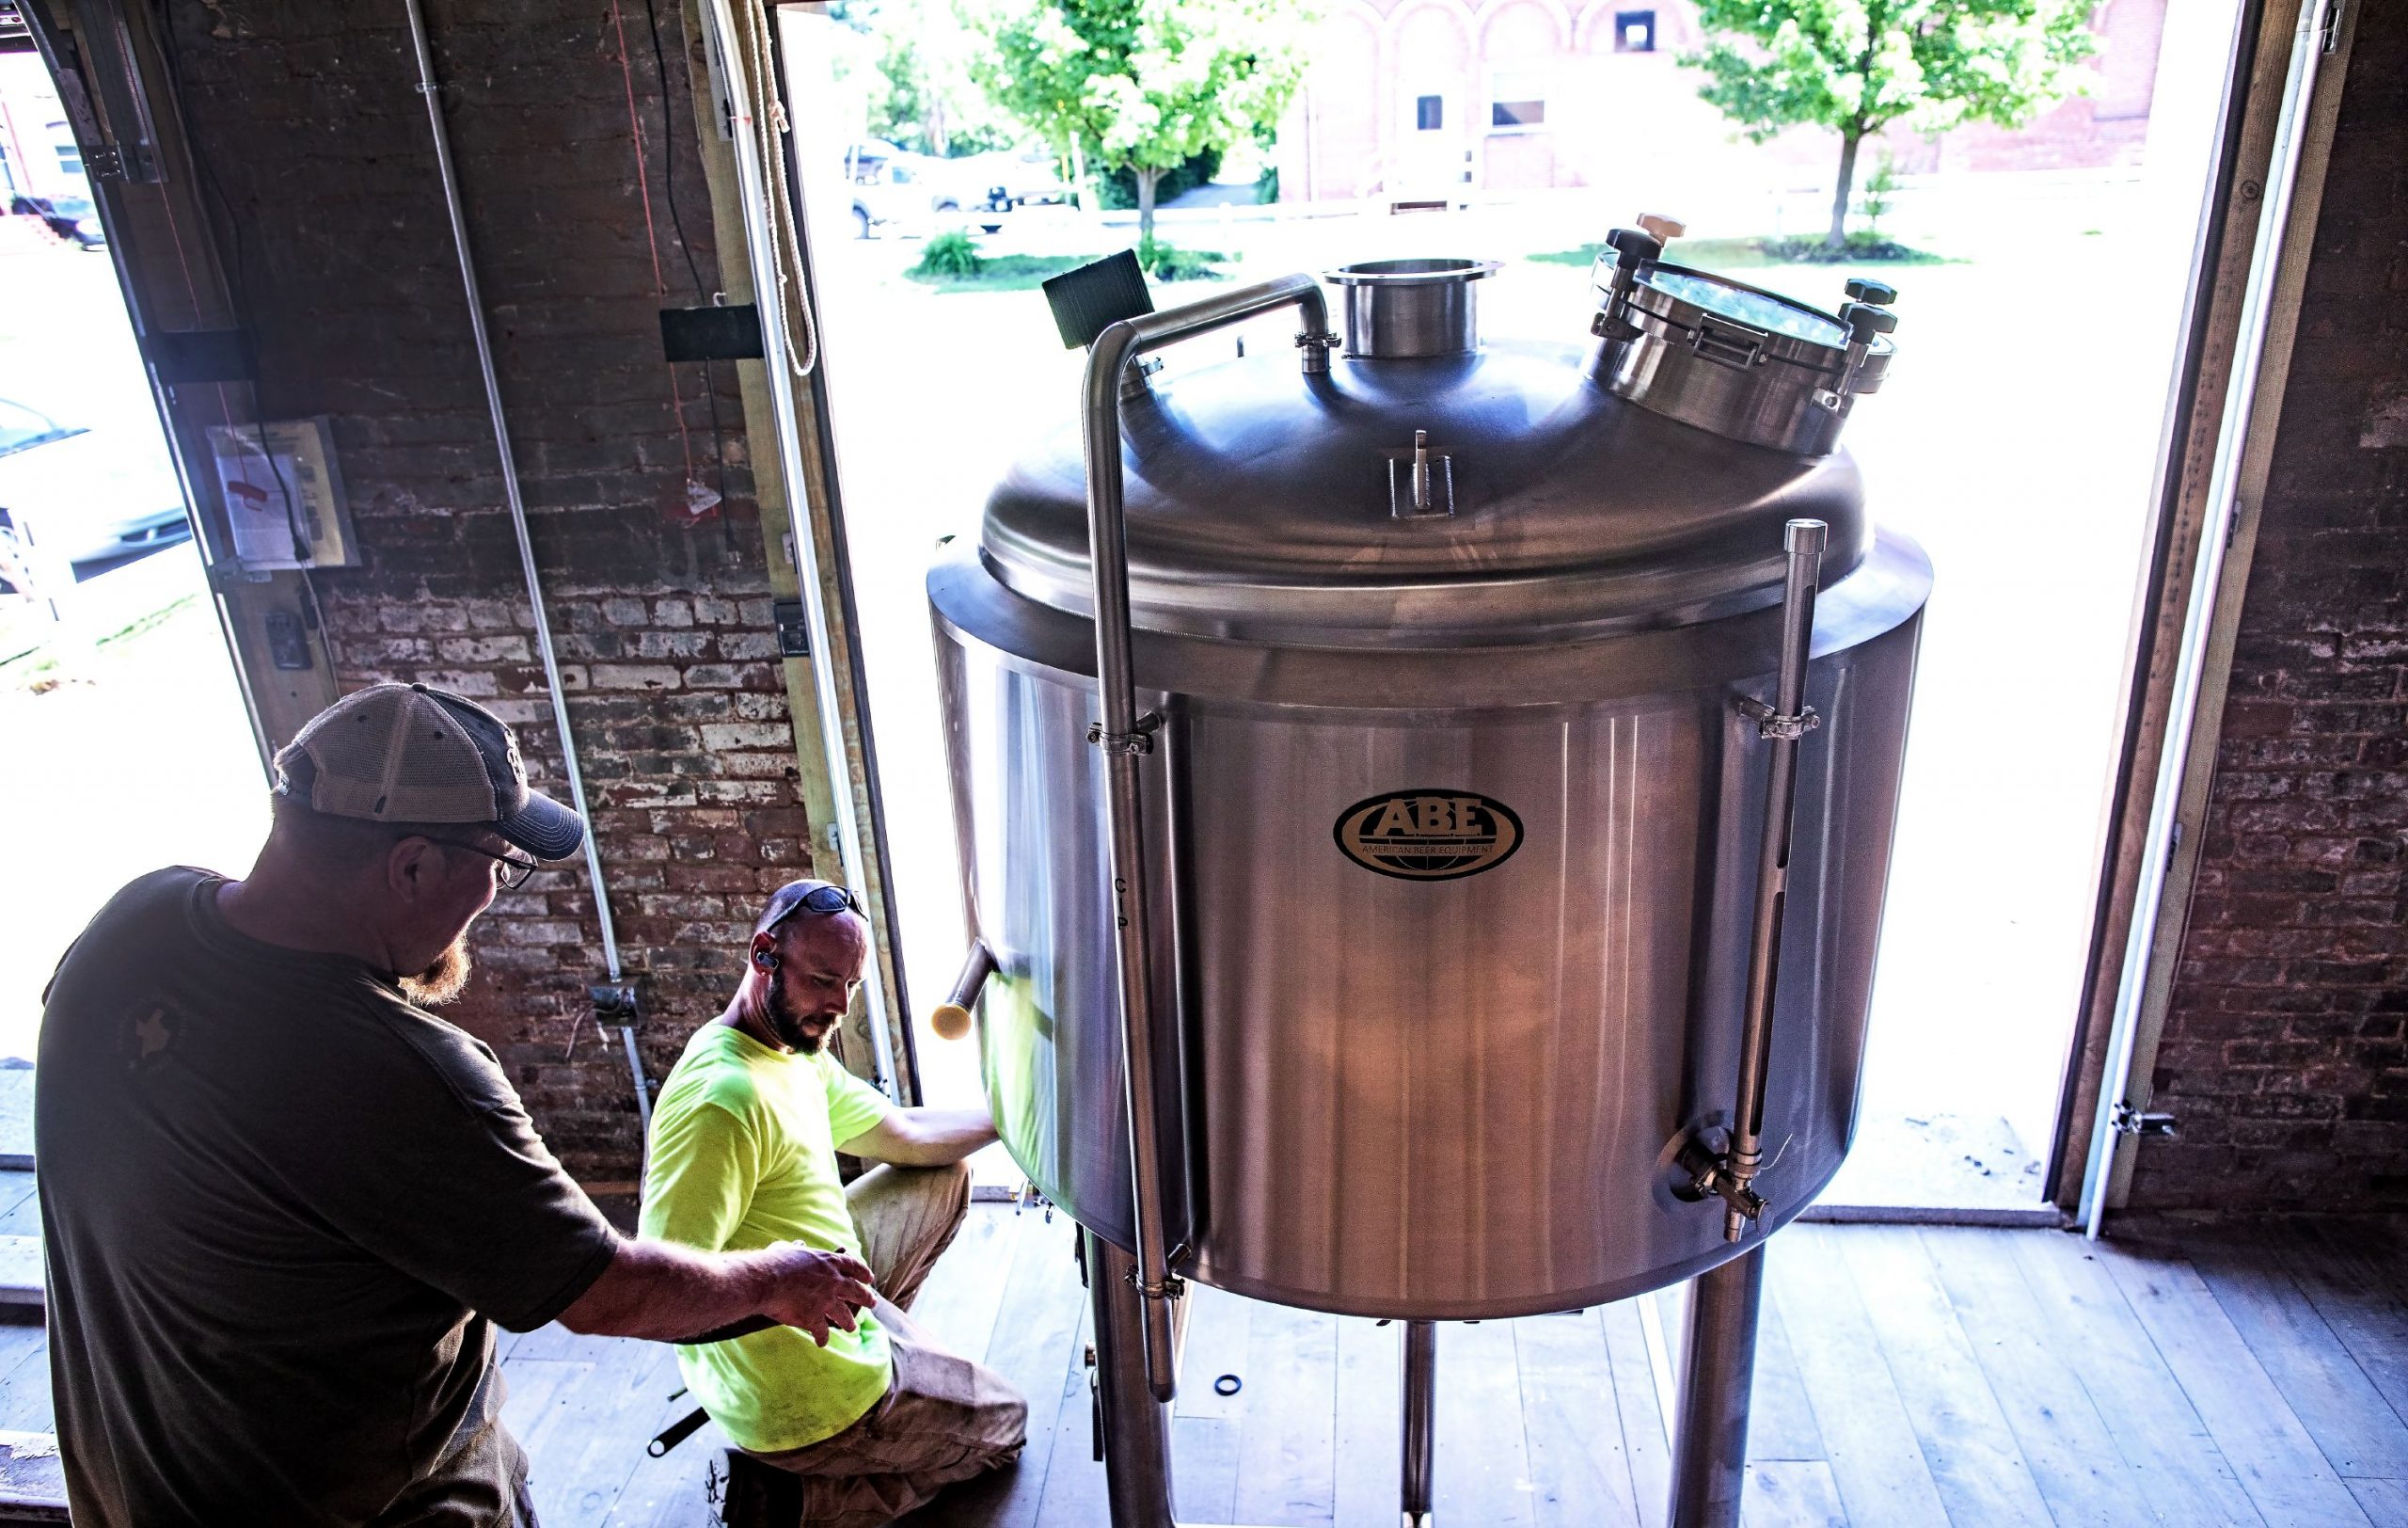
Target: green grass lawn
1006,272
1751,254
1024,272
27,658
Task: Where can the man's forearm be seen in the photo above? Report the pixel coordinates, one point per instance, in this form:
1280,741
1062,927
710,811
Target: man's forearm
662,1291
925,1138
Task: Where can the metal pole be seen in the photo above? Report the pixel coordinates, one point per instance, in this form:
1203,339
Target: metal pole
1718,1376
451,183
1420,1420
1788,721
1126,740
1135,1427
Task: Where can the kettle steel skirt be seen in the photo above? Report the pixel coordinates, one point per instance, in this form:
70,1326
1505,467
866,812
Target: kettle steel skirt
1429,1098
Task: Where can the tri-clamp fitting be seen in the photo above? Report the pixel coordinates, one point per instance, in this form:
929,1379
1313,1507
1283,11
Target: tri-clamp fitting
1313,347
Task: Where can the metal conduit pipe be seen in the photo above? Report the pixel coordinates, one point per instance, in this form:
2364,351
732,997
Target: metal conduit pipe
429,88
1126,740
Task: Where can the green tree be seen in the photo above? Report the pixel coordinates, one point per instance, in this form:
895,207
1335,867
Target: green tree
1142,86
923,97
1856,66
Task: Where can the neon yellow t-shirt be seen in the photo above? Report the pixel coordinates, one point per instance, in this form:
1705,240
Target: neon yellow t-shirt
744,1154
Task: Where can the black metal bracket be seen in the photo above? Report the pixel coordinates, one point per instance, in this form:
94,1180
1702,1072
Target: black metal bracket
728,333
179,357
794,627
1092,298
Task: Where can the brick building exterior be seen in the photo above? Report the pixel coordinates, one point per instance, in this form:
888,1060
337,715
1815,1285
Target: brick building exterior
1412,99
2283,1057
316,139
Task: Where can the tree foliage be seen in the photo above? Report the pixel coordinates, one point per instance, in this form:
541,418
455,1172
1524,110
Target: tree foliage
921,96
1142,86
1853,66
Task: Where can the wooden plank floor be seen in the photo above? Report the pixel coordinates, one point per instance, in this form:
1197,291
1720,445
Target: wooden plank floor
2184,1374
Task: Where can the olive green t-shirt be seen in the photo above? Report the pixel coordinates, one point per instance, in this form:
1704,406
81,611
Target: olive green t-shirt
744,1143
282,1210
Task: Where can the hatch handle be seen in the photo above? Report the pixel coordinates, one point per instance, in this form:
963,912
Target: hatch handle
1726,343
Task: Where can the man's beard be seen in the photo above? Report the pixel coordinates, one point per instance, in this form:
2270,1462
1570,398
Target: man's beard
442,982
786,1024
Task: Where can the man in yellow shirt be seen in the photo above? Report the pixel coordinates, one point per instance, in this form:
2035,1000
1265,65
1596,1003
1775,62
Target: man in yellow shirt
877,1419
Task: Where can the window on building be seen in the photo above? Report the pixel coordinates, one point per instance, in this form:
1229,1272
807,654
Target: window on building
1634,31
71,158
1429,113
1516,101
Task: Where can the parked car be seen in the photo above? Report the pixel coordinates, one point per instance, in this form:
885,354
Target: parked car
72,495
72,218
900,192
1025,177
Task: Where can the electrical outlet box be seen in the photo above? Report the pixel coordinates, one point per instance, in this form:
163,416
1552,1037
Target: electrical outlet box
282,492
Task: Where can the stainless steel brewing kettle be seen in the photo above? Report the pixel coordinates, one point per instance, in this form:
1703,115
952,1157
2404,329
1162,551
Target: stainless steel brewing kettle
1393,848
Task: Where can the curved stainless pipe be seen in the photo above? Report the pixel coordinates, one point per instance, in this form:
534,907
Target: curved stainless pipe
1125,740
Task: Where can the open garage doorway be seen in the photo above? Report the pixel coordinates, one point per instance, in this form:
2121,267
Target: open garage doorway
125,743
2030,478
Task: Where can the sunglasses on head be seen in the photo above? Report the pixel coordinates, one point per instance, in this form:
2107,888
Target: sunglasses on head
820,899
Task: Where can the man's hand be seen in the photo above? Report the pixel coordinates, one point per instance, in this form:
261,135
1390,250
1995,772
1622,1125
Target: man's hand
673,1294
813,1291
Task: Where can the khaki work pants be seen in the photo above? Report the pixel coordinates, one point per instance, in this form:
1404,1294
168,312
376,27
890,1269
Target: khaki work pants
944,1419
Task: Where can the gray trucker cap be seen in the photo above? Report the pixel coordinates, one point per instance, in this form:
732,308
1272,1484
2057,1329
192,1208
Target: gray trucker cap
411,752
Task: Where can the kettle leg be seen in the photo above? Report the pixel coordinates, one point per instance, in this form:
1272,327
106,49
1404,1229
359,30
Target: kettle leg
1136,1427
1717,1379
1420,1420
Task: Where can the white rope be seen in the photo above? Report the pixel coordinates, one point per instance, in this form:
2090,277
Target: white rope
757,79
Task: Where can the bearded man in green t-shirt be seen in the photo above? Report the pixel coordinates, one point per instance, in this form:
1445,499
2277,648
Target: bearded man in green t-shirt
879,1419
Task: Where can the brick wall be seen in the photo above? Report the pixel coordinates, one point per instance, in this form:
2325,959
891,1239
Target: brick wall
2283,1055
317,142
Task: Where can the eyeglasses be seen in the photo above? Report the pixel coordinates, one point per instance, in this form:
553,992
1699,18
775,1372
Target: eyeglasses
820,899
514,871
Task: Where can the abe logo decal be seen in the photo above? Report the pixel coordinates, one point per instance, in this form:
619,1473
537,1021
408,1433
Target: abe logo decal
1429,834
